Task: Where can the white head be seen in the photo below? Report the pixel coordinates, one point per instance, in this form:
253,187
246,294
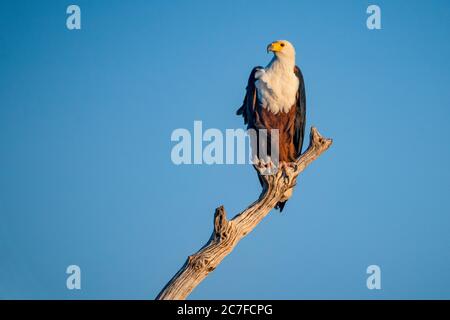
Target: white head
282,49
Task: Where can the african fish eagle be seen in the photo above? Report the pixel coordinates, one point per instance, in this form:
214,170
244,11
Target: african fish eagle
275,99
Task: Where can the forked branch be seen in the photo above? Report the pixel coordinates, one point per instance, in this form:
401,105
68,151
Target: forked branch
227,233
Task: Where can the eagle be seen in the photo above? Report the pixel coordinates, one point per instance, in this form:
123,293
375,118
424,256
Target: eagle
275,99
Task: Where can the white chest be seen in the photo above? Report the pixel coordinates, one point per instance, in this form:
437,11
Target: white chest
277,88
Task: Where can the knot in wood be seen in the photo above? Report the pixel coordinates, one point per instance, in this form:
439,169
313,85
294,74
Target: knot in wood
197,262
222,234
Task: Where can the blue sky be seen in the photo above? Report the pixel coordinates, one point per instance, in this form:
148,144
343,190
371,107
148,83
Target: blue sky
86,176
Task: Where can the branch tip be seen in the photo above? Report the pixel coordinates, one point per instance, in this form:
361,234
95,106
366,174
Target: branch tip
220,220
317,139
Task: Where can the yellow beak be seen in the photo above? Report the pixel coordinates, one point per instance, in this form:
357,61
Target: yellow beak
274,47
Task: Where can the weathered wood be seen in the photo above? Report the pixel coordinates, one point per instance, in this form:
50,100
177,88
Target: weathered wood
227,233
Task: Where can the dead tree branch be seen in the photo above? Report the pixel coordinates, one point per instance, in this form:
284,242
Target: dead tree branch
227,233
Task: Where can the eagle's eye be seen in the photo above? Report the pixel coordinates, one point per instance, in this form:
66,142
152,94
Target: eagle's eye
282,44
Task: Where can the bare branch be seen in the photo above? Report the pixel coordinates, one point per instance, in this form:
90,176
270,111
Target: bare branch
227,233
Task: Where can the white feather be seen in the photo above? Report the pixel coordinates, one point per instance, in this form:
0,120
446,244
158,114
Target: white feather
277,83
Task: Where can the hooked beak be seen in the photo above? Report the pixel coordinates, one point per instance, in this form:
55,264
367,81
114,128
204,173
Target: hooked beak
274,47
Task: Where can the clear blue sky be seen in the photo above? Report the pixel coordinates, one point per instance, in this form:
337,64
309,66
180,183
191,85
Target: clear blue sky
86,176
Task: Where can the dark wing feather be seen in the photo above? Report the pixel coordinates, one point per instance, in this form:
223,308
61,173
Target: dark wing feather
248,108
249,105
300,117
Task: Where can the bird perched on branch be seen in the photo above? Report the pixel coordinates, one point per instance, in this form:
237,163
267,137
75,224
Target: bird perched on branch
275,99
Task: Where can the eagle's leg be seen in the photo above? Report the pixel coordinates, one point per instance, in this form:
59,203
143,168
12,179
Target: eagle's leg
265,165
270,166
287,169
284,168
288,165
